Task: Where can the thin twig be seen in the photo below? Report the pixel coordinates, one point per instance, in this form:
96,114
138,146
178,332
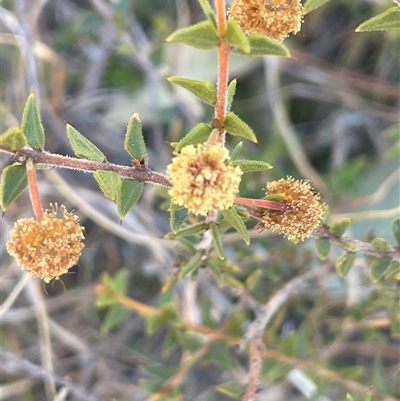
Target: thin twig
14,293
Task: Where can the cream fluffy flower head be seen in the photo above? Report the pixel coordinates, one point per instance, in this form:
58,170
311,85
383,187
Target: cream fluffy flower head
274,18
201,179
49,247
303,209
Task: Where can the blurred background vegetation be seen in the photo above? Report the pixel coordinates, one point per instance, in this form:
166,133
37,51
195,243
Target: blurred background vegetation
328,114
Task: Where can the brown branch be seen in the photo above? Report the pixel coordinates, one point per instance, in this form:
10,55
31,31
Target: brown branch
141,173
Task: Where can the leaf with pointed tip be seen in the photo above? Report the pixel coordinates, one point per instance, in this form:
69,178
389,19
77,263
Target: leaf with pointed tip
345,263
232,389
201,36
108,182
13,138
379,267
134,142
390,19
191,265
236,151
129,192
204,90
323,246
31,125
231,94
82,147
187,231
237,223
208,11
217,240
196,135
339,228
311,5
248,166
236,37
262,45
13,181
396,229
237,127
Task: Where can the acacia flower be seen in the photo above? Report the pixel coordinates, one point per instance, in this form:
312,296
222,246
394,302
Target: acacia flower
47,248
201,179
303,209
274,18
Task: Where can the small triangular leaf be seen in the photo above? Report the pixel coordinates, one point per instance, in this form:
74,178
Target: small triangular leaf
13,138
237,223
390,19
200,36
323,246
230,95
339,228
196,135
31,125
13,181
82,147
129,192
311,5
237,127
204,90
236,37
262,45
345,263
177,217
248,166
114,316
134,142
379,267
217,240
108,182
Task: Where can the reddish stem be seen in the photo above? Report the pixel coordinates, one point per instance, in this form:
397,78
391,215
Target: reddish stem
266,204
33,190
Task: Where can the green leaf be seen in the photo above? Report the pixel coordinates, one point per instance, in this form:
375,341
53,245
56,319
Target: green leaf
108,182
196,135
339,228
31,125
208,11
262,45
177,217
237,127
191,265
349,397
379,267
232,281
396,229
82,147
129,192
13,138
134,141
153,323
345,263
13,181
115,315
390,19
191,230
393,270
311,5
367,397
204,90
220,355
237,223
254,279
201,36
121,281
248,166
236,37
232,389
381,245
216,270
231,94
236,151
217,240
323,246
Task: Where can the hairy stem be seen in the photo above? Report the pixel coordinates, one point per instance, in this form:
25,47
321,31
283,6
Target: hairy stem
33,190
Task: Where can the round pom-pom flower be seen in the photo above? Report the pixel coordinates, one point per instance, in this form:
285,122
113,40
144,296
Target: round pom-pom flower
303,209
201,179
274,18
49,247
